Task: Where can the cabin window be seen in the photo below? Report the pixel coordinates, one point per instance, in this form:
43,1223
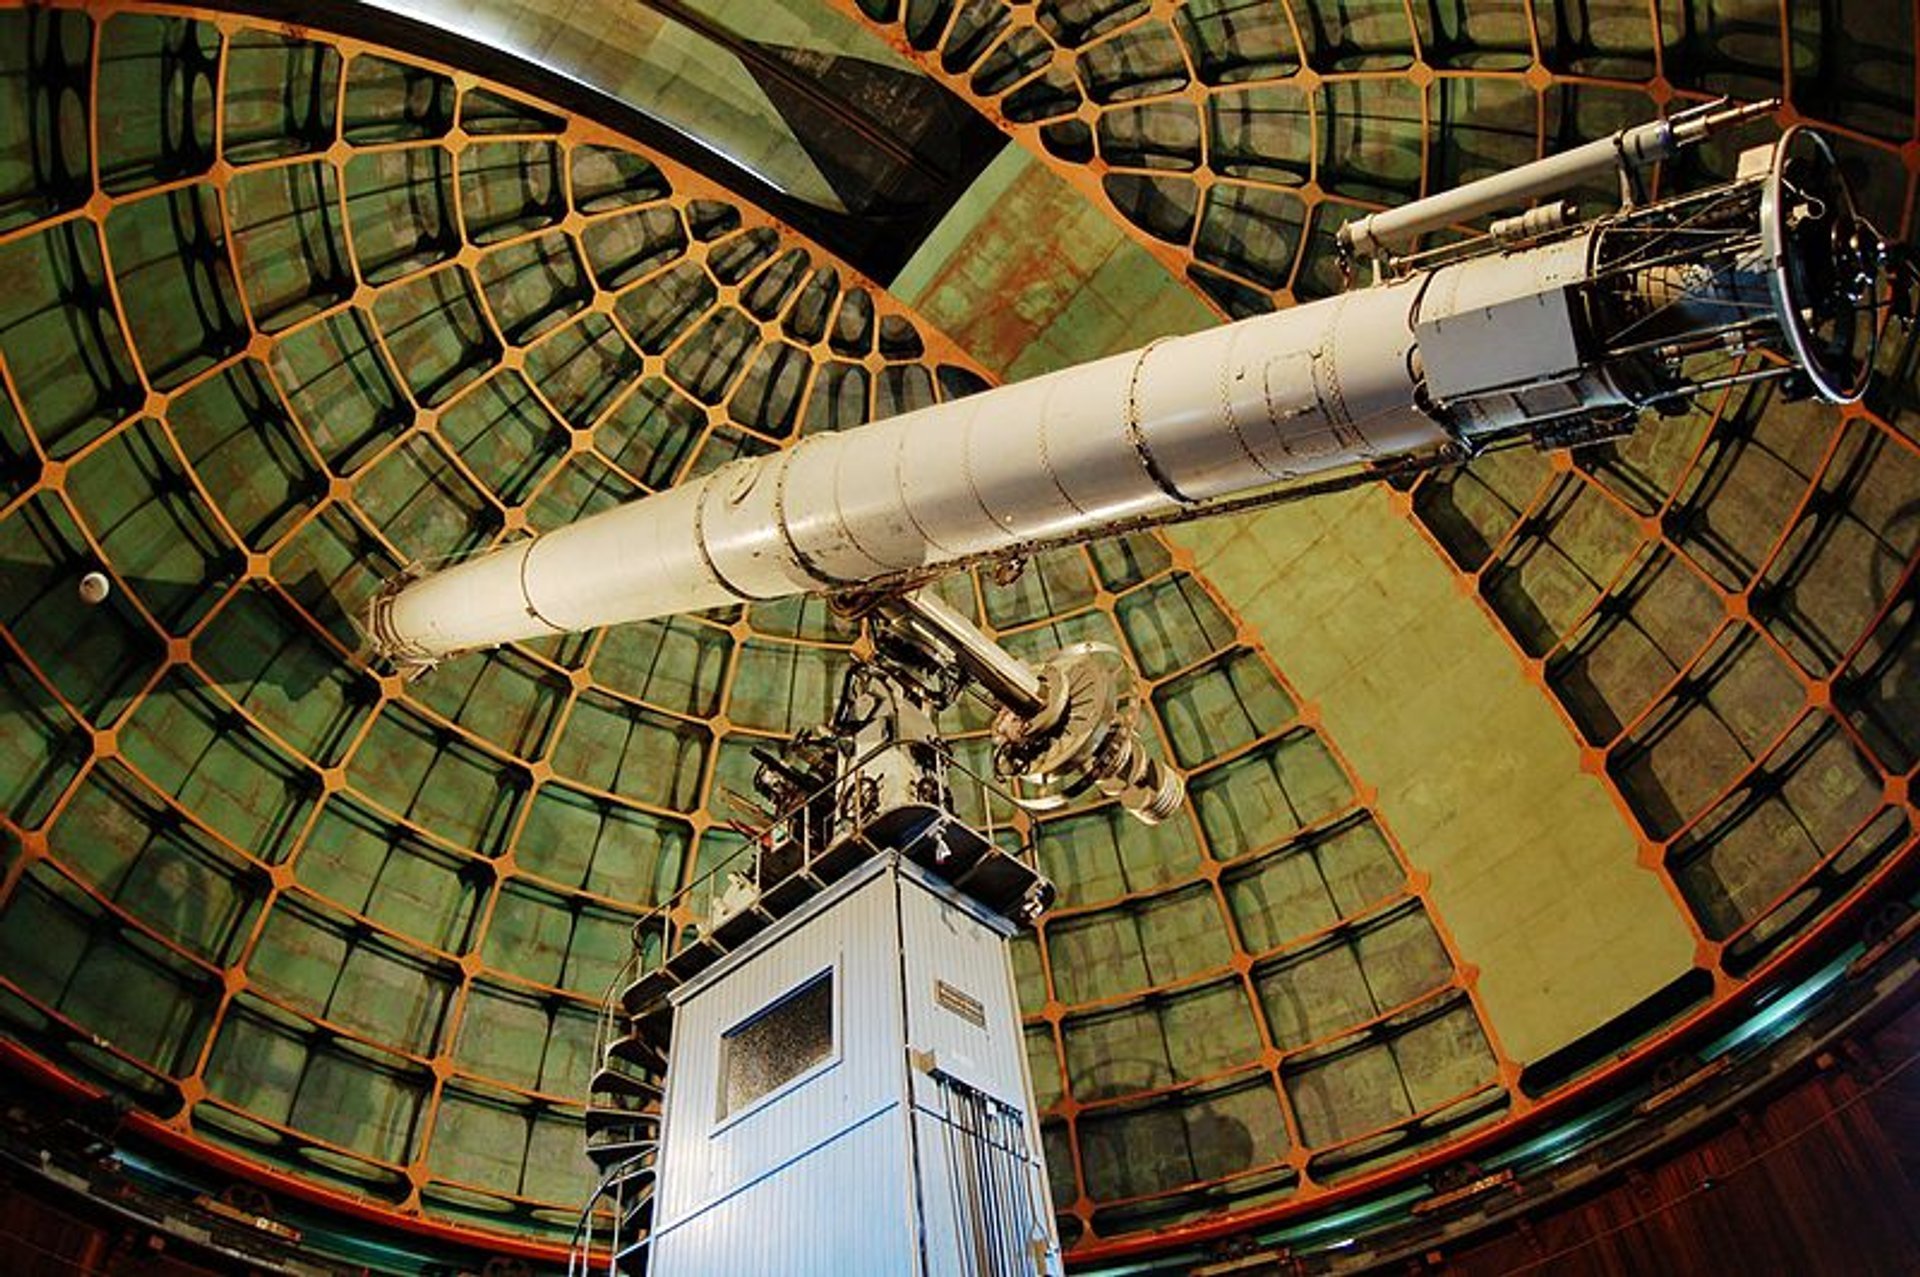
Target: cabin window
777,1044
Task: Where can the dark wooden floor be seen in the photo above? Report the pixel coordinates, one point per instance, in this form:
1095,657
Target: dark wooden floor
1824,1179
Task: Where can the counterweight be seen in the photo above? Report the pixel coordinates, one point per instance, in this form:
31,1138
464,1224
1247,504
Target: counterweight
1561,335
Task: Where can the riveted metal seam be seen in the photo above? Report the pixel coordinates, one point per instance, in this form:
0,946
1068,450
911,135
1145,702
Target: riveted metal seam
1046,462
526,595
706,558
1232,420
906,501
822,579
1137,438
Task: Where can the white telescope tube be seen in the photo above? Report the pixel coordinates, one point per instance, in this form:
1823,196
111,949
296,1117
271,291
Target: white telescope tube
1148,433
1631,148
1578,332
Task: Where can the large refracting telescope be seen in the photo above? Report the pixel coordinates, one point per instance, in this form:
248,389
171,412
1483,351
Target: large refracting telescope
1545,330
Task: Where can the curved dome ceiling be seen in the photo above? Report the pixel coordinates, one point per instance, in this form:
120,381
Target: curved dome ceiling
1492,778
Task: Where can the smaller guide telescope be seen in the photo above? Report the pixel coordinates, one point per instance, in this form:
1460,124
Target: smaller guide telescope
1542,330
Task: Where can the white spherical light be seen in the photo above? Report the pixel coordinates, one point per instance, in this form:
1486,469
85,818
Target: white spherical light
94,588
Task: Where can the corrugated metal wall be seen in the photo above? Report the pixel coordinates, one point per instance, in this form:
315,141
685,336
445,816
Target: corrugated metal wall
823,1174
728,1191
942,944
950,962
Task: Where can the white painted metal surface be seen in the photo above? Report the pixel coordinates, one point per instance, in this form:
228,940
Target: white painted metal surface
706,1158
1581,331
852,1167
953,962
1634,147
1234,408
844,1212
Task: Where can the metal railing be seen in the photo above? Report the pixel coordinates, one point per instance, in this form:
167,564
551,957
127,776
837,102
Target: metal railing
624,1186
737,881
607,1022
825,818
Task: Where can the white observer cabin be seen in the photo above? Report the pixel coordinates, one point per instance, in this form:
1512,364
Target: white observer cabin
847,1093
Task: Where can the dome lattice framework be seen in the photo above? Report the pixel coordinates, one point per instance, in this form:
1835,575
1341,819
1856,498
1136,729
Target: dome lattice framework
287,311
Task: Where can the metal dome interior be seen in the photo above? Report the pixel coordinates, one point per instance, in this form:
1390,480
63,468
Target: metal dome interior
1502,782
